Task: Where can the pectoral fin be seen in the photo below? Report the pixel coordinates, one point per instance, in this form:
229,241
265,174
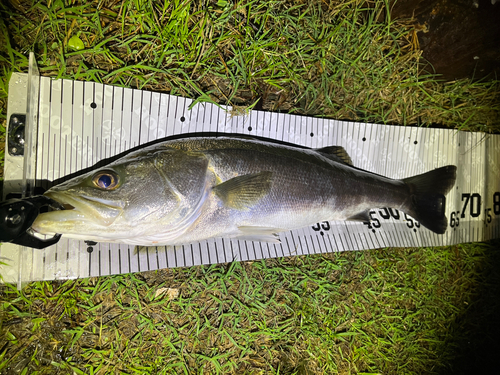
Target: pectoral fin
262,234
243,192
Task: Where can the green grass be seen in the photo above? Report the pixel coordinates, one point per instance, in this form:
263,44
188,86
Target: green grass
346,60
384,311
389,311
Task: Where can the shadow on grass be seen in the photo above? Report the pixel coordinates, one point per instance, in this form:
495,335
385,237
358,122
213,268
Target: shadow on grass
476,333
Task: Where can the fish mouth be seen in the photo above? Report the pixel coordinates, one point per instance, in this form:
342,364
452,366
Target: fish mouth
80,202
67,206
67,201
76,210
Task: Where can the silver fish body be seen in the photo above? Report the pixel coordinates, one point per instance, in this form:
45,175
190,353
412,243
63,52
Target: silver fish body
191,189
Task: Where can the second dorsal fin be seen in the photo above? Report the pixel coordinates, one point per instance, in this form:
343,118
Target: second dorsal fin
336,153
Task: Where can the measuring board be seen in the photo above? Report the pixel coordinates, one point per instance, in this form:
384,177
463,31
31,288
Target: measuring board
73,125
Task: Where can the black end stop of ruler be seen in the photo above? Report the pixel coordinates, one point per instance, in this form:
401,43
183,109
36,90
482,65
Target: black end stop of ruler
16,136
16,218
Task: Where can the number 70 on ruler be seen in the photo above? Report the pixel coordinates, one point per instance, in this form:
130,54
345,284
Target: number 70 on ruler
471,206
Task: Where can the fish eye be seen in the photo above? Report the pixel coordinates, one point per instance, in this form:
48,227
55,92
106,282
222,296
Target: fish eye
105,180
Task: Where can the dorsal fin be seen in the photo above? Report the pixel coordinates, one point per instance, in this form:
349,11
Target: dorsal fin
335,153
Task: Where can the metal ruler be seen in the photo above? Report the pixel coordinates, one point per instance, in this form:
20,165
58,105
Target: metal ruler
76,124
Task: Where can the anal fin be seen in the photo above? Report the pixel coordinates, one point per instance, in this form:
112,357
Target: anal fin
362,216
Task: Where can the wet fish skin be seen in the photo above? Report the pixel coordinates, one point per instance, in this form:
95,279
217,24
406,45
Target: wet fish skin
191,189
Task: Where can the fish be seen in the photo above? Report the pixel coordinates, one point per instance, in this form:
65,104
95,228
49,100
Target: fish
191,189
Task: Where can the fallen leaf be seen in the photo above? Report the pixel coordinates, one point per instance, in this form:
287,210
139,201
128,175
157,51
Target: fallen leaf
171,293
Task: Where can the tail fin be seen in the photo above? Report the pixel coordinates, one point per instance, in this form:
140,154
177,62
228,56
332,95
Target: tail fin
428,200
